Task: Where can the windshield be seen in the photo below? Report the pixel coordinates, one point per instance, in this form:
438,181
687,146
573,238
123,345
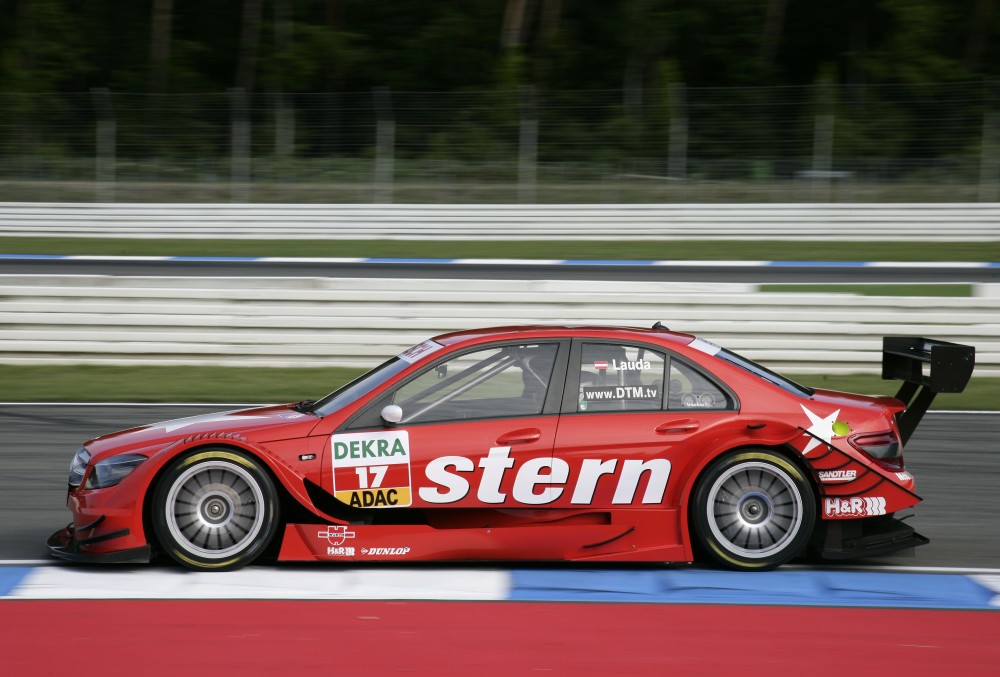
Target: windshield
359,387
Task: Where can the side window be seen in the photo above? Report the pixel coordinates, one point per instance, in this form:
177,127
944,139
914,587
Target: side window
690,389
620,378
490,383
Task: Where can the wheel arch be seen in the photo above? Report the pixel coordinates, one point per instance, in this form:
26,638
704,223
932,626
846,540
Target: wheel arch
282,476
698,471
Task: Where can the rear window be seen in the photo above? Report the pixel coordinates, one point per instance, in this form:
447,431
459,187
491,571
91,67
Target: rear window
757,370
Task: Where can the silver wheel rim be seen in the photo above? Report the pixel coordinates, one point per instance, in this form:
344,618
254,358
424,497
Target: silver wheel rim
215,509
754,509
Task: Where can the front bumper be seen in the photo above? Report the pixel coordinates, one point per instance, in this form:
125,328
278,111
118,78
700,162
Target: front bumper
65,545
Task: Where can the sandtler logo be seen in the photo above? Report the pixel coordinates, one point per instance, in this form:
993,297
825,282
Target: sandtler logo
837,475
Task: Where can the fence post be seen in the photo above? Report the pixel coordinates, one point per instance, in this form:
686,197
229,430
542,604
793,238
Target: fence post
385,145
105,151
822,163
989,154
527,162
239,172
284,116
824,121
284,127
678,142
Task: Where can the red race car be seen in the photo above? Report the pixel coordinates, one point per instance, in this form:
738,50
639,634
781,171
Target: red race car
524,443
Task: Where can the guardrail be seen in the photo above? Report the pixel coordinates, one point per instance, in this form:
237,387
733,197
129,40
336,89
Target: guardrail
54,319
970,222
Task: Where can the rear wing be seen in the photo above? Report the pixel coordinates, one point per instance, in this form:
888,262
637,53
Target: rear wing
926,367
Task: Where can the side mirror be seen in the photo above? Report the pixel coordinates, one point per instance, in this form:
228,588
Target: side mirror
392,414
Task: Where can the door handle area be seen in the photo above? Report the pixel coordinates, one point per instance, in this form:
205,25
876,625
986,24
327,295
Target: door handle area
685,425
522,436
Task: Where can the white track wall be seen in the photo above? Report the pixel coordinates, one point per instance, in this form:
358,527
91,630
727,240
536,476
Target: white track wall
955,222
52,319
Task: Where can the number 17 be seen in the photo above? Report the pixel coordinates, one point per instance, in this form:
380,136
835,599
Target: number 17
377,473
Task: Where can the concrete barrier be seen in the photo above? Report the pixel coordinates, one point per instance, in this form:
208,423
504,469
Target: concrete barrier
969,222
67,319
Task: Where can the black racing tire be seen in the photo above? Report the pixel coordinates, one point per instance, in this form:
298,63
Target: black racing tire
215,510
753,509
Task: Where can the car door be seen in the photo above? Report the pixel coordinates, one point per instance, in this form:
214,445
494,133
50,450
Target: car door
472,422
631,413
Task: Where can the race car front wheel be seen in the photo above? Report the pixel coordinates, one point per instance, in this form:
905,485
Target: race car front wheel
753,509
215,509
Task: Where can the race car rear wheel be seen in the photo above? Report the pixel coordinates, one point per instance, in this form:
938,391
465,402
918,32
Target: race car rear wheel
753,509
215,509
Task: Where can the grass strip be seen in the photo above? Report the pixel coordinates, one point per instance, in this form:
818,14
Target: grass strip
982,393
98,383
948,290
91,383
573,249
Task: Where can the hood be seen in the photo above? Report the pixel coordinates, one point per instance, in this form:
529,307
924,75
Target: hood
261,424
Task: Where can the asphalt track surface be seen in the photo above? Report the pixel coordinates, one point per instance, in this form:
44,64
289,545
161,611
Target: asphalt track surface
954,457
790,272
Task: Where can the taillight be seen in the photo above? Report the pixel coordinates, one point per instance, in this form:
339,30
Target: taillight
882,447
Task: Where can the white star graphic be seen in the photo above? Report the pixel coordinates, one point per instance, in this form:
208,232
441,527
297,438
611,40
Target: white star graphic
821,428
177,424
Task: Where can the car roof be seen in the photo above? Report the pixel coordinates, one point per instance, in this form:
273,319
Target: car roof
566,331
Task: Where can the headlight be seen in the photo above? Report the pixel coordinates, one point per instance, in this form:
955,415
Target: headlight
78,466
111,471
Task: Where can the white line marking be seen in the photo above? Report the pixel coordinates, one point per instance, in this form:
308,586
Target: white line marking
264,583
991,582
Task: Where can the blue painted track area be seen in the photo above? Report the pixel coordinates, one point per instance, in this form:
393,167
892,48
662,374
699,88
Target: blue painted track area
788,588
11,578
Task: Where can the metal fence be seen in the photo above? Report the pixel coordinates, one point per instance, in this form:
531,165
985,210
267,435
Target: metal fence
938,142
